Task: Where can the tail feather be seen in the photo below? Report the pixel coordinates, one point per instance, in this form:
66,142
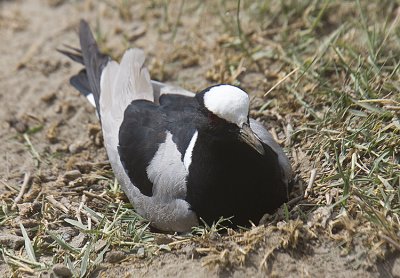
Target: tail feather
87,81
81,83
125,82
74,54
93,59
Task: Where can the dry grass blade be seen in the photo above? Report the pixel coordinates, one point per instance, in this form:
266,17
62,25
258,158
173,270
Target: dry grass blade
57,204
22,190
391,241
313,175
281,81
32,148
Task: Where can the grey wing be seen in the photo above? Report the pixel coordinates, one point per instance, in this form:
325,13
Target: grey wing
120,85
266,137
160,89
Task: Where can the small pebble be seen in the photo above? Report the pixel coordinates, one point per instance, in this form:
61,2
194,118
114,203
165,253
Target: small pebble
79,240
72,175
29,209
61,270
48,98
11,241
191,252
27,222
163,239
67,233
19,124
21,127
75,147
96,187
114,257
140,252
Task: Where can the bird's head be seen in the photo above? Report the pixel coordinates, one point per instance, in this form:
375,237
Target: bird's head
226,111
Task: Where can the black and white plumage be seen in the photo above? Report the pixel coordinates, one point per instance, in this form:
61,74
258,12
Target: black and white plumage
181,156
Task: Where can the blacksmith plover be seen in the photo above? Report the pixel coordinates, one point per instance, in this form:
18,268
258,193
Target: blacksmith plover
181,156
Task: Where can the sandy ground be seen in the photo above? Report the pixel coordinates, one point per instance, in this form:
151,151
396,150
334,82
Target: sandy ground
35,94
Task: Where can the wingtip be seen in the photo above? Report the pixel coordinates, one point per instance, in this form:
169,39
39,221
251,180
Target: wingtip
74,54
83,23
86,35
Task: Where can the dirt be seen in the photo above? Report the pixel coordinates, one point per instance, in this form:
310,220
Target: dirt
62,127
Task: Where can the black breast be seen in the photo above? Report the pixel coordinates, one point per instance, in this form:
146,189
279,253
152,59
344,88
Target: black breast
228,178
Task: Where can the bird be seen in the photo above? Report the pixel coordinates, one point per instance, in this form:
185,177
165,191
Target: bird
182,158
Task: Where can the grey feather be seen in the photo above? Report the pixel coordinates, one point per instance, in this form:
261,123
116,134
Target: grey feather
266,138
160,89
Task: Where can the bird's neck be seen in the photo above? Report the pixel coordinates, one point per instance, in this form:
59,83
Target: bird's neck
212,144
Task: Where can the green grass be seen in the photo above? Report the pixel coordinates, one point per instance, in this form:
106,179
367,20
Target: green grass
343,103
340,106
